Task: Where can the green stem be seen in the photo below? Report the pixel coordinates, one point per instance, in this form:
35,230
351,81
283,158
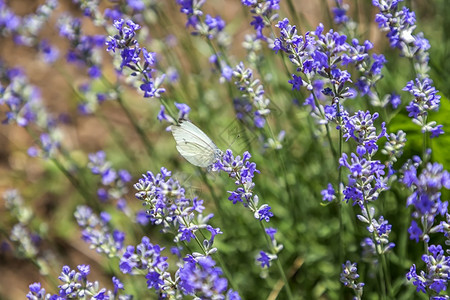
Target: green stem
75,183
221,264
119,141
278,263
327,127
216,199
293,12
380,255
139,130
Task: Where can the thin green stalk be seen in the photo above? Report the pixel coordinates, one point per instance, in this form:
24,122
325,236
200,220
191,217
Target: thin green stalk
284,170
139,130
222,265
425,143
388,279
293,12
119,141
278,263
327,10
167,107
225,271
216,199
73,180
75,183
327,127
382,271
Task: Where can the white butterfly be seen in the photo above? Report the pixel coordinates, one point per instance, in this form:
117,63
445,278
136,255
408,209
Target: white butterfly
194,145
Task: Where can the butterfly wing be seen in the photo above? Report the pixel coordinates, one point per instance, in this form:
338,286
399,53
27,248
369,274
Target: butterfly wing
193,144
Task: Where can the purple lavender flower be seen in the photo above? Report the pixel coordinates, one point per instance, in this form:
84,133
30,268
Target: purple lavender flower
426,196
243,171
437,272
366,179
378,241
328,194
167,205
146,257
264,259
399,23
349,278
85,49
209,27
114,183
264,15
25,30
201,278
98,232
252,93
425,100
130,54
75,285
264,213
360,127
49,53
340,13
36,292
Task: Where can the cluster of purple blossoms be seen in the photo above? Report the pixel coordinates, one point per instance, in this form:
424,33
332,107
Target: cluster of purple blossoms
425,100
243,171
114,183
21,98
98,232
316,56
197,276
25,30
148,258
132,8
183,113
314,53
167,205
433,281
91,98
349,277
426,196
328,194
26,242
444,227
24,238
366,179
26,109
400,24
368,66
265,258
265,13
320,60
75,285
209,27
340,14
200,277
85,50
253,104
378,242
130,58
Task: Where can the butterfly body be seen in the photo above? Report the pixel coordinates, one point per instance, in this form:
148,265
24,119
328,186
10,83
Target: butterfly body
194,145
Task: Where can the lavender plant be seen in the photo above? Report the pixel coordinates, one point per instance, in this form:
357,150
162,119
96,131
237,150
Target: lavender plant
339,188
